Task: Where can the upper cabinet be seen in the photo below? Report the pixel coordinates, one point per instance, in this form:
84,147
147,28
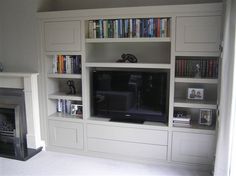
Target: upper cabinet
62,36
198,34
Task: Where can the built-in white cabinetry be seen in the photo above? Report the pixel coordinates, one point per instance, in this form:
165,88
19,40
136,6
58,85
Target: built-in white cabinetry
198,33
66,134
192,35
62,36
193,147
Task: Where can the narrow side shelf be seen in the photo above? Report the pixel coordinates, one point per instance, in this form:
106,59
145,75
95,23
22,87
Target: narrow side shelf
195,128
196,80
71,76
194,104
120,40
64,117
127,65
62,95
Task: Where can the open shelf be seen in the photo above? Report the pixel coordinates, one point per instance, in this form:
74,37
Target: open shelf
127,65
70,76
120,40
196,80
194,104
62,95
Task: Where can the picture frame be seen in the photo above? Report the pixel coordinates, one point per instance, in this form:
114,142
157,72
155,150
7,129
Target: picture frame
76,110
205,117
195,94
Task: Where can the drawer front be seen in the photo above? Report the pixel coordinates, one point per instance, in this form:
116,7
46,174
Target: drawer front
66,134
62,36
127,134
129,149
198,33
193,148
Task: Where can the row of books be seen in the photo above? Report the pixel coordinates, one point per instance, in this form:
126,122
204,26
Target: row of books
67,64
128,28
69,107
64,106
181,119
202,68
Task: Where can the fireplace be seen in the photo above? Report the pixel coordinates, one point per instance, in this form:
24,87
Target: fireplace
13,126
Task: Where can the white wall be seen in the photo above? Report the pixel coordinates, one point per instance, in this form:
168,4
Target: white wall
1,34
19,49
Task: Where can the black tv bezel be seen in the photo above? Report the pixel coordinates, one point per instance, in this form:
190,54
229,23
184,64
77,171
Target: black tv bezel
131,119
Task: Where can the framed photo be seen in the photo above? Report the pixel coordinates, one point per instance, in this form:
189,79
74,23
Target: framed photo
76,110
195,94
205,117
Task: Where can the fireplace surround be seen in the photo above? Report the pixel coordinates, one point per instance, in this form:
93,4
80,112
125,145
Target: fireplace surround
19,116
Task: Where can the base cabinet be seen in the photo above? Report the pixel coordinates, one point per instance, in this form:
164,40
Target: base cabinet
66,134
129,142
193,148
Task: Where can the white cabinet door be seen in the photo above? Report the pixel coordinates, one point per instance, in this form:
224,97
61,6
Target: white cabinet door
62,36
66,134
198,33
193,148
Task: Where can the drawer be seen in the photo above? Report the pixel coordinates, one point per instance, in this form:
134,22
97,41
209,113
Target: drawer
128,149
198,33
146,136
66,134
193,148
62,36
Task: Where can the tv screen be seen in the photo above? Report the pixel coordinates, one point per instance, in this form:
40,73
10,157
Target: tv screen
130,96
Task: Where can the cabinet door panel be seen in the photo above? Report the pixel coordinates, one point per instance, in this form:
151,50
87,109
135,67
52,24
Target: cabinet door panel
128,134
127,149
62,36
198,33
66,134
193,148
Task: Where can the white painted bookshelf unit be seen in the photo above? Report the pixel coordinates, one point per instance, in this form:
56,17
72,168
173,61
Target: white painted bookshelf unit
188,51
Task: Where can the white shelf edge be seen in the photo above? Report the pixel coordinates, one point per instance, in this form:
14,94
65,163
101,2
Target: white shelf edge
64,117
118,40
127,65
196,80
64,96
193,130
194,105
55,75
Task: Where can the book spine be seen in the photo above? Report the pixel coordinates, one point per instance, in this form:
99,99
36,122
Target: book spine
137,28
131,28
59,106
54,64
105,32
90,25
94,29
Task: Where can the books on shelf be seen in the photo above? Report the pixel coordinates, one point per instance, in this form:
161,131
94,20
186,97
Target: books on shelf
181,119
64,64
64,106
128,28
201,68
69,107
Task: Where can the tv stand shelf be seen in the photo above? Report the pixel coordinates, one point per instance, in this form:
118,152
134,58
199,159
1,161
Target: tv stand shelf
127,65
187,50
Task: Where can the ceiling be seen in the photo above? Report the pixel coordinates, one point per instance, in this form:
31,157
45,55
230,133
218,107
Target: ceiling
54,5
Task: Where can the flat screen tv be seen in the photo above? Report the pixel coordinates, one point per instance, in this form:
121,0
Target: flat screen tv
130,96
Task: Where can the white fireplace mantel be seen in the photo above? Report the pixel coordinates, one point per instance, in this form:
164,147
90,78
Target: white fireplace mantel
27,82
